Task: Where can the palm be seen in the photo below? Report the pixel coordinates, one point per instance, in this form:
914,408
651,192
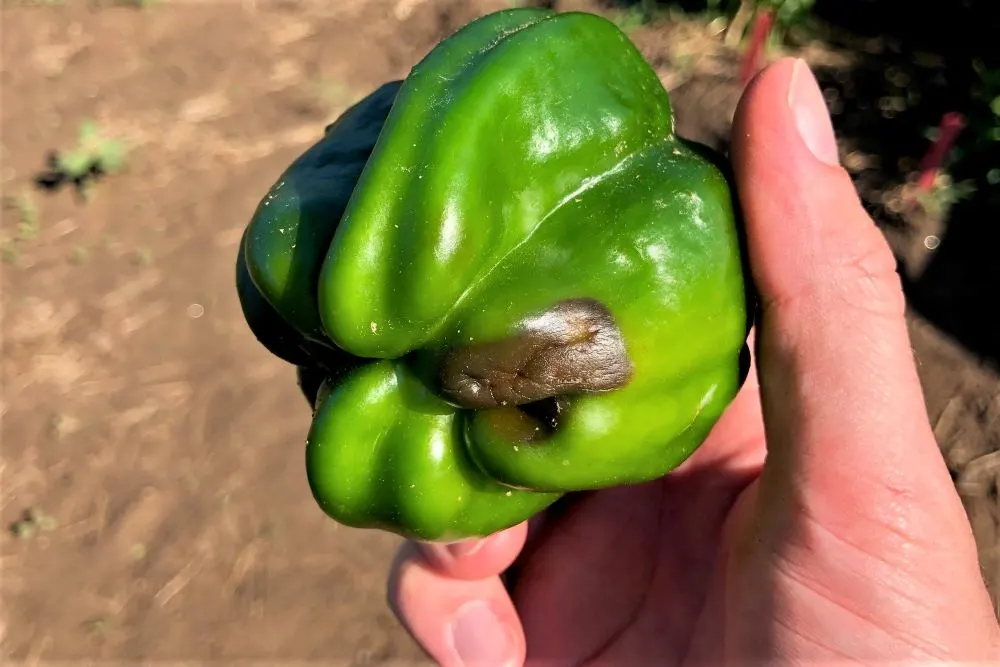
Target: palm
622,576
709,561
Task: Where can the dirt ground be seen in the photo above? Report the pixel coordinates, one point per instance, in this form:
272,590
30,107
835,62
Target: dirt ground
154,443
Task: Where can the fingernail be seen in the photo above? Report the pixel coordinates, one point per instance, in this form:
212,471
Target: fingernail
479,638
812,118
445,555
464,548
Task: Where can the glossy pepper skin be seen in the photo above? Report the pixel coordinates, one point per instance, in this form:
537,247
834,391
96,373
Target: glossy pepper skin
503,279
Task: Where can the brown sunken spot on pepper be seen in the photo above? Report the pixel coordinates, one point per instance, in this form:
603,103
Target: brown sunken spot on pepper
574,347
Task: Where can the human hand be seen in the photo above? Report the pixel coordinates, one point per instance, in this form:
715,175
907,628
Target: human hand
817,523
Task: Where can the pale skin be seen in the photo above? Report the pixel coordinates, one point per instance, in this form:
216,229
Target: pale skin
818,524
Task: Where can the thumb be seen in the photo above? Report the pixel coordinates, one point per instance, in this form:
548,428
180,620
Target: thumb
843,407
854,494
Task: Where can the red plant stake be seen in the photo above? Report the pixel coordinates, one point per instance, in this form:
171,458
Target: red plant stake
755,46
951,124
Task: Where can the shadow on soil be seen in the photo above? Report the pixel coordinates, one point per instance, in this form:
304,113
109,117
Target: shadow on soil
912,68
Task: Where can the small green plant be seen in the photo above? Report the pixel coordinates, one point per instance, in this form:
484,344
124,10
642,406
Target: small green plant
788,12
93,157
99,626
336,94
28,227
93,151
8,252
631,19
23,204
142,256
740,14
639,13
33,521
79,254
970,157
943,194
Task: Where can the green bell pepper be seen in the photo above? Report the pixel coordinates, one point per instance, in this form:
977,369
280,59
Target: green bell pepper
503,279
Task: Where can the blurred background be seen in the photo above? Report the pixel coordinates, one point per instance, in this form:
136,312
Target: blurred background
152,495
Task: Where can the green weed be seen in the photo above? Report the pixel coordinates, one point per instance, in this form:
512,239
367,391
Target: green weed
94,156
